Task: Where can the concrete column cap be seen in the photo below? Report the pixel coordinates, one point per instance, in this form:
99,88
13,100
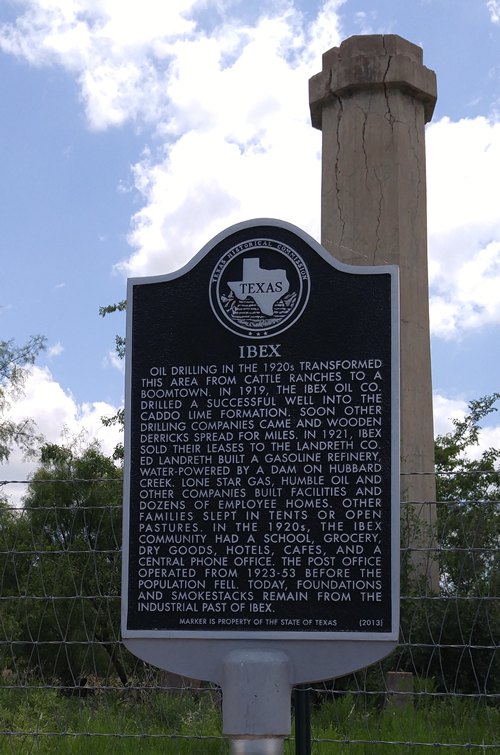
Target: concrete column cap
373,61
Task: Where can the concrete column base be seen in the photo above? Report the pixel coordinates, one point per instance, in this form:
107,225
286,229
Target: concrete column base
399,689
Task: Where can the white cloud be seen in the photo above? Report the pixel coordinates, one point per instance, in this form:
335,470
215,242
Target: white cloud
58,418
230,108
55,350
113,360
489,437
55,410
464,224
494,9
117,49
445,411
367,23
240,140
122,53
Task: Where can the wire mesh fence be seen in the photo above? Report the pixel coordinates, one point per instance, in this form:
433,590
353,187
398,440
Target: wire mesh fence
68,685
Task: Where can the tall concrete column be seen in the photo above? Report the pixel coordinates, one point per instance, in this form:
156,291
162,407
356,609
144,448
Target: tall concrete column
371,101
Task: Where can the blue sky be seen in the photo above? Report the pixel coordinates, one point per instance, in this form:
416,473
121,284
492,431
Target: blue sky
132,132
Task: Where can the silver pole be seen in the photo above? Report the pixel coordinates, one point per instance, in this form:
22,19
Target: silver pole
257,746
256,700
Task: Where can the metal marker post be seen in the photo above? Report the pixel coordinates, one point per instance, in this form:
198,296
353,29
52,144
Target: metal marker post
261,746
256,698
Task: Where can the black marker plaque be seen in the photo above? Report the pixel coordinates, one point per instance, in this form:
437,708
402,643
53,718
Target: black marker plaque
261,443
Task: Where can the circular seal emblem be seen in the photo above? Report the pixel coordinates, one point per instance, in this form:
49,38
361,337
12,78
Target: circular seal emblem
259,288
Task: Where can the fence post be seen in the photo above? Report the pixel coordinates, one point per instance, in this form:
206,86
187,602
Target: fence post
302,720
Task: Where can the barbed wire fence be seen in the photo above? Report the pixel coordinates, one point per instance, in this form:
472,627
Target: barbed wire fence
67,684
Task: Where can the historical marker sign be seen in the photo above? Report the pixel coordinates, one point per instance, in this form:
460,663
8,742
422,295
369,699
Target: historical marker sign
262,445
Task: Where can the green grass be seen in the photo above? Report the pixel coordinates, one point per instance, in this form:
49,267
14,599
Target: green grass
454,721
123,723
120,723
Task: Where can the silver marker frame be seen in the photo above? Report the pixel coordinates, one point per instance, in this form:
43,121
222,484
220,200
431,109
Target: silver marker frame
260,635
